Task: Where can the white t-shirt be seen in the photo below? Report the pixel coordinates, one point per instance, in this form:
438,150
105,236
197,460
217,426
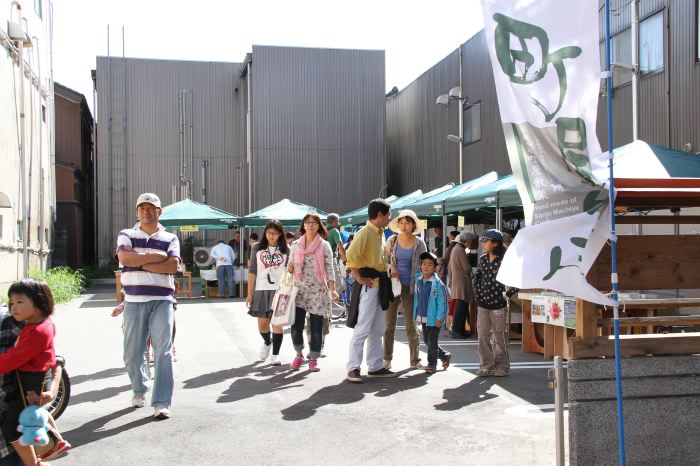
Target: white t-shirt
267,265
224,254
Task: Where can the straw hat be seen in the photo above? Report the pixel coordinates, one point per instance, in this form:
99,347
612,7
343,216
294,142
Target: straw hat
394,224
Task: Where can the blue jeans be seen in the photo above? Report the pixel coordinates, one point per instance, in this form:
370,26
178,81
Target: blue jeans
154,318
224,277
316,322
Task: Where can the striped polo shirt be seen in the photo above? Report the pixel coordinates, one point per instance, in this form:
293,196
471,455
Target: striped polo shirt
139,285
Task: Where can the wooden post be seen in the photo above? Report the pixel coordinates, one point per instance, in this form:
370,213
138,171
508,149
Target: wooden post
586,320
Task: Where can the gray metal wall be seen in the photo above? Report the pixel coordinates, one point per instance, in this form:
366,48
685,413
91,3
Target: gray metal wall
318,130
418,152
419,155
145,135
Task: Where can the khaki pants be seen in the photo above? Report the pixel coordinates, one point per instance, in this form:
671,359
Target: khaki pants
406,301
495,320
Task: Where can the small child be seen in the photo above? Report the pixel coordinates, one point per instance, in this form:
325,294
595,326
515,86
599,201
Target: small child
31,301
430,310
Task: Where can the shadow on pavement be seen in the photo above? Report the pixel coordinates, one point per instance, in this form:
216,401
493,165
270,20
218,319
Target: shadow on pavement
255,369
93,431
247,388
346,393
98,395
474,391
104,374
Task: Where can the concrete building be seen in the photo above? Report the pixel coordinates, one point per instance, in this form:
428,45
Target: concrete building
298,123
27,202
74,239
420,156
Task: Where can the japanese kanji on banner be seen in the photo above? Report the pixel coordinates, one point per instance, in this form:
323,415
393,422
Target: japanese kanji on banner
546,64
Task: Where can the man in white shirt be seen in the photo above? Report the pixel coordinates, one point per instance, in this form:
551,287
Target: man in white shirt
225,257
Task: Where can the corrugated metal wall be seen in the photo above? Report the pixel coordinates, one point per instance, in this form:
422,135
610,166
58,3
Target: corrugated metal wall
146,92
318,126
419,155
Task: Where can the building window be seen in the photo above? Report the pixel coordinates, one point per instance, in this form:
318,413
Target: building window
472,123
651,48
18,233
651,43
621,55
37,7
0,226
43,113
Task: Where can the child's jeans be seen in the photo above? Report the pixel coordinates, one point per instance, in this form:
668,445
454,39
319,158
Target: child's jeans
430,335
31,381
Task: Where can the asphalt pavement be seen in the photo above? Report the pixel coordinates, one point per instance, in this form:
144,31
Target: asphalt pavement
230,408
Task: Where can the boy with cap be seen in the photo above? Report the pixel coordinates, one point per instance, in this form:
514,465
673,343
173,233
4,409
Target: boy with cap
151,257
430,310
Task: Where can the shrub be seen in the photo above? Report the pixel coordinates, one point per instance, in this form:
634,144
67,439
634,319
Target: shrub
64,282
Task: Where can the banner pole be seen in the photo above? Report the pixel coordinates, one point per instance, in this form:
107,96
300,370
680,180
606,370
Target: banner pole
613,245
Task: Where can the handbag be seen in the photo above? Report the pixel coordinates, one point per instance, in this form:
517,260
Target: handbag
284,302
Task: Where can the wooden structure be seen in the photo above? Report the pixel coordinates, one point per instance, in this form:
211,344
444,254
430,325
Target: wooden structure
644,263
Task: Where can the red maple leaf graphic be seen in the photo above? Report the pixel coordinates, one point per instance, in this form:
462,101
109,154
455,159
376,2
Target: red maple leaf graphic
555,311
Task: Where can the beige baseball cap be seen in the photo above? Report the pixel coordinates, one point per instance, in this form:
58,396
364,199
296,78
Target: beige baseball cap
150,198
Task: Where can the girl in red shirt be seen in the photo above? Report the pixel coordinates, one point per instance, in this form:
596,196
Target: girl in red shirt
31,301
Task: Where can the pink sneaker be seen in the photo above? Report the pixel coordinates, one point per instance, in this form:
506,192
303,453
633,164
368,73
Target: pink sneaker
313,366
296,364
60,449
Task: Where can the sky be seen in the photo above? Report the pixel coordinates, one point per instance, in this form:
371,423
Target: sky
415,35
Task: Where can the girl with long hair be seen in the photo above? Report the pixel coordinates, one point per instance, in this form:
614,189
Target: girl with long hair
312,265
268,259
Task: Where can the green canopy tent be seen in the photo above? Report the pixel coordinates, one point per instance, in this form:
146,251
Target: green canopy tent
401,202
190,216
500,193
288,212
359,216
433,205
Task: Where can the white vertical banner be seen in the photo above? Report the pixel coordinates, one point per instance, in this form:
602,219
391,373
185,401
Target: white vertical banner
546,65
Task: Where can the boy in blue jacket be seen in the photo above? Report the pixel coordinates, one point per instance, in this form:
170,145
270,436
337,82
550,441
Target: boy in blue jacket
430,310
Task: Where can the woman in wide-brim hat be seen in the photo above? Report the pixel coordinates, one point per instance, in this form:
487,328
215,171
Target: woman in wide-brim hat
403,250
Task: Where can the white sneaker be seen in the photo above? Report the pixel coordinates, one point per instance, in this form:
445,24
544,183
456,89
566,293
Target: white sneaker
161,412
138,401
275,360
387,364
265,351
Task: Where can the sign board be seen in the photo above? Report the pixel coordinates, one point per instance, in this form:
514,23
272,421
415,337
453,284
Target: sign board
189,228
423,224
460,221
554,310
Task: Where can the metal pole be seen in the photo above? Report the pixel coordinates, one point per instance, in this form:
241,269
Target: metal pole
461,120
444,231
22,162
613,245
95,183
125,108
635,69
110,162
559,408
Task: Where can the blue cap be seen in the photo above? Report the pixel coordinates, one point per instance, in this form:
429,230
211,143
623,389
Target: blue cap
493,235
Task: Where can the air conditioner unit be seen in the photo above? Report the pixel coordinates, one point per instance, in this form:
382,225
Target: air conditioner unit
202,258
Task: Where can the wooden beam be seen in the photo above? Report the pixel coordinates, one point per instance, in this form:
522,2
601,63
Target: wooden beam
586,319
652,262
636,345
657,219
655,321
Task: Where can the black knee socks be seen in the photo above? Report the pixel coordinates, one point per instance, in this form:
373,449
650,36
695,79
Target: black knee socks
277,343
266,337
